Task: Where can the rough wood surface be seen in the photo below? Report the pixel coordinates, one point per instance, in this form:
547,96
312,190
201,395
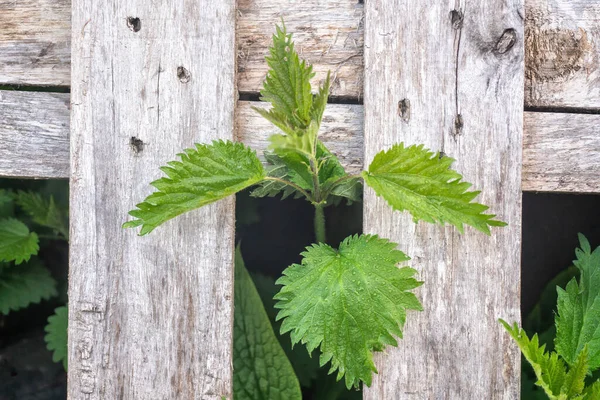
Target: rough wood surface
562,45
562,53
35,42
564,153
462,72
149,317
559,150
34,140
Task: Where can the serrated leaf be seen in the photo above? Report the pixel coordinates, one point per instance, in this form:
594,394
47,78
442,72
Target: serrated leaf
17,243
349,302
421,182
56,335
43,211
549,369
306,365
287,85
578,319
205,174
23,285
278,169
261,368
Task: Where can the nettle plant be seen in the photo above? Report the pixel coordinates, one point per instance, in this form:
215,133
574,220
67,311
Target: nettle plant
562,373
350,301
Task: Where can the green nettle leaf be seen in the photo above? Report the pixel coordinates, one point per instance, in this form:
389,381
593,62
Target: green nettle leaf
578,319
7,204
421,182
278,169
205,174
23,285
287,86
549,368
305,365
56,335
261,368
16,242
328,301
43,211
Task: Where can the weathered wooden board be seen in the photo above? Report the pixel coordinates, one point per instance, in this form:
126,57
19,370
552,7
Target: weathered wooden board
562,45
462,72
560,151
35,42
34,134
562,53
164,74
563,155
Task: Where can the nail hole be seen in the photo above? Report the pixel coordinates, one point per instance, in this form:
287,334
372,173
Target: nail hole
457,18
134,24
506,41
458,125
137,145
183,75
404,109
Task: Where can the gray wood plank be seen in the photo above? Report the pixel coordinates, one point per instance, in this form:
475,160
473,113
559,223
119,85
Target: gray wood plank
35,42
559,149
461,68
34,134
562,53
564,153
561,42
149,317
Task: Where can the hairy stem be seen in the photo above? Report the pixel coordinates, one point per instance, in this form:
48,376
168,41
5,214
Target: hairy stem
320,223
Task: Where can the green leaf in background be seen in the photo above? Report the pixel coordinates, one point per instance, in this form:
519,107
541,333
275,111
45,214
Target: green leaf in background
56,335
305,365
329,301
43,211
205,174
550,370
7,205
23,285
421,182
578,319
16,242
261,368
279,169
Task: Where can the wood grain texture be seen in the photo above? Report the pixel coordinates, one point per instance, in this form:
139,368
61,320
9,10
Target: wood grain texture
559,150
35,42
562,53
562,154
149,317
562,45
34,140
466,63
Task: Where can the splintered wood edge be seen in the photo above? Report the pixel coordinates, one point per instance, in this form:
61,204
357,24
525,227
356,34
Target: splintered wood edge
561,152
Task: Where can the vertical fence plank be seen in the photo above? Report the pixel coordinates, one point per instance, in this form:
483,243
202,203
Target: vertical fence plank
150,317
457,69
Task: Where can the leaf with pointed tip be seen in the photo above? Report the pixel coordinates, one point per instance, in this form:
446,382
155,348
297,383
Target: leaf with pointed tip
349,302
44,211
205,174
23,285
421,182
17,243
578,319
261,369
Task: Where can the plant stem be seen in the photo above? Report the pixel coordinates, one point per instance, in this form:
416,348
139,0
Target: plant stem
320,223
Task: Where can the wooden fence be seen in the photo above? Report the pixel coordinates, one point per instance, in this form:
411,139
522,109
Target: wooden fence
511,90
